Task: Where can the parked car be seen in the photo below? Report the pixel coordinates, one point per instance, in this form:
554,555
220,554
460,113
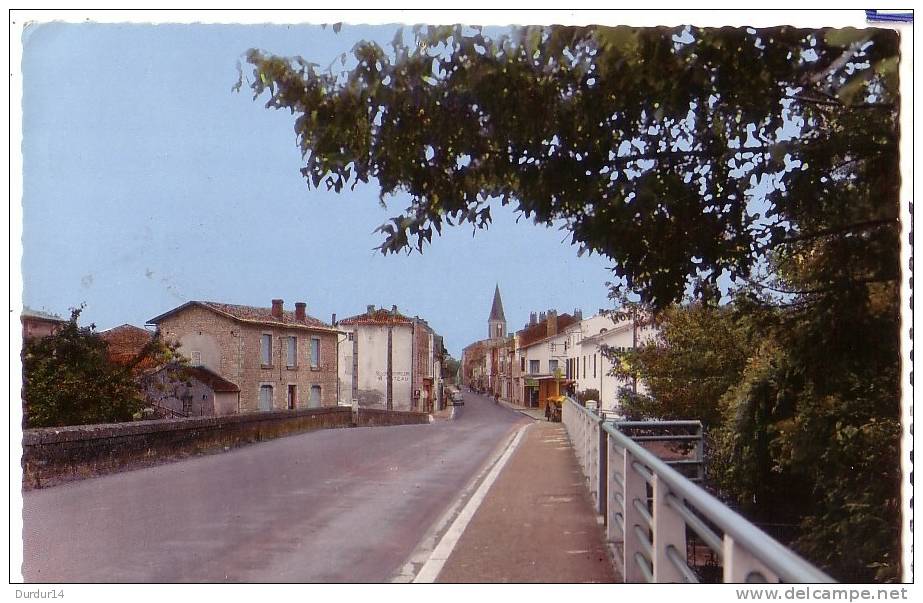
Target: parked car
458,399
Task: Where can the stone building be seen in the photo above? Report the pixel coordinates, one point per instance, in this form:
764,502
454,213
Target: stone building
278,358
190,391
36,324
389,360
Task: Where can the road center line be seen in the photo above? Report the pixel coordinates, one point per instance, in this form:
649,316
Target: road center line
433,566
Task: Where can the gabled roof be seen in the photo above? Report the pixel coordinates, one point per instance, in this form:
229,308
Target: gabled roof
216,382
126,342
496,309
620,327
250,314
381,316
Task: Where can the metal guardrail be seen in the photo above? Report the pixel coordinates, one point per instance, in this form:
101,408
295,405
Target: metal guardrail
649,507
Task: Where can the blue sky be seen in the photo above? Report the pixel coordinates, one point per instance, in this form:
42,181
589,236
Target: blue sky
148,182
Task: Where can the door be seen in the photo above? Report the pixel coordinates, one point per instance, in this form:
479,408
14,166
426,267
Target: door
292,396
315,396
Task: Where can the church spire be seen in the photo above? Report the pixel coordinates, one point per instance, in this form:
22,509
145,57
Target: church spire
496,310
496,323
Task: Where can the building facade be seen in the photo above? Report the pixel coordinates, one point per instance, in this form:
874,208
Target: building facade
37,324
389,360
279,359
190,391
587,366
541,355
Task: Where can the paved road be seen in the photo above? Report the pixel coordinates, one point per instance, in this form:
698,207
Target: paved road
343,505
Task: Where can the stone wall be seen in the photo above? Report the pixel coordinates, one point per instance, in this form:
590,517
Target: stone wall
55,455
58,454
368,417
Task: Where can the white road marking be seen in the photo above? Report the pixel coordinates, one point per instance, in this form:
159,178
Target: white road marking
433,566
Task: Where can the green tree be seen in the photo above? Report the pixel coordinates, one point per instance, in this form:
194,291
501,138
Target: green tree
697,353
68,378
450,368
686,156
716,140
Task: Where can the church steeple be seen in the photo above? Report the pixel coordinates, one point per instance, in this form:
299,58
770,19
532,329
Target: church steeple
496,323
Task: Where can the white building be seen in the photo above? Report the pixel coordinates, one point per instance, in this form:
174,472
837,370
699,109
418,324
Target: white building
589,368
389,360
541,353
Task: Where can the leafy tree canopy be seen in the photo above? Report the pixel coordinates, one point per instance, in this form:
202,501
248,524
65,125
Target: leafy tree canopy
684,153
68,378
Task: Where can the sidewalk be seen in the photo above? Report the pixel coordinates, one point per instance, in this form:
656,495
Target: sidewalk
536,523
534,413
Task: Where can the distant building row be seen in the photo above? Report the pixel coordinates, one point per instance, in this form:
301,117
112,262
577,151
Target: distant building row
553,352
246,358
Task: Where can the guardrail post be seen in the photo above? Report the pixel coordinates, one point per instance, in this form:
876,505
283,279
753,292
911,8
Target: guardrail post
700,453
614,511
669,529
742,566
602,470
585,422
635,487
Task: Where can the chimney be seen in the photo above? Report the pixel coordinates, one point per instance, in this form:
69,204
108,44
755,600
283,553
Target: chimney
333,319
394,310
532,319
277,308
300,308
552,328
370,309
541,317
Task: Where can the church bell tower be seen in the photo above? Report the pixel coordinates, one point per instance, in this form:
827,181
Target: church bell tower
496,324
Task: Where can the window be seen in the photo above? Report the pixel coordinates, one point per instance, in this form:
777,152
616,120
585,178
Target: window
594,366
315,352
533,367
522,364
584,367
265,397
552,366
292,354
266,350
315,397
350,336
195,358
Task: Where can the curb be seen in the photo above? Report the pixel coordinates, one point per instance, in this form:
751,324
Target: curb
519,410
